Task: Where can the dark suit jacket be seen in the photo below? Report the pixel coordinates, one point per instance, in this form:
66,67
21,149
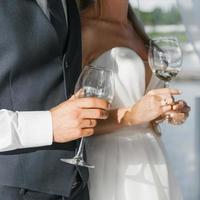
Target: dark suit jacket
35,75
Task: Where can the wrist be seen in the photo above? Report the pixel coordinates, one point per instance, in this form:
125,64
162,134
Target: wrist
132,118
126,117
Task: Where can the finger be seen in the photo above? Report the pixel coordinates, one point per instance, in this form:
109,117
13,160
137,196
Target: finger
87,132
165,91
166,100
79,133
88,123
165,109
92,102
181,107
177,118
178,106
183,104
162,100
74,134
94,114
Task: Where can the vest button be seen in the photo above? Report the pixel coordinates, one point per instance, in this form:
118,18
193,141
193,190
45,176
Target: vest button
65,63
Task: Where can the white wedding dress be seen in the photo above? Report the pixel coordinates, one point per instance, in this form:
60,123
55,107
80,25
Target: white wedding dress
130,163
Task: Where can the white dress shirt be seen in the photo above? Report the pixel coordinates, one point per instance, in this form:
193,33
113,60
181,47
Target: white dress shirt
26,129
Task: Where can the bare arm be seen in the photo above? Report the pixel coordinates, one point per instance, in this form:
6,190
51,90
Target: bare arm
156,104
113,122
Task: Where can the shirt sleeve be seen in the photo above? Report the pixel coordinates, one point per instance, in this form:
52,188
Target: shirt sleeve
25,129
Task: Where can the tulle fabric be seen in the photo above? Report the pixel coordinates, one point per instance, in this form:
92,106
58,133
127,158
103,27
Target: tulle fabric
131,162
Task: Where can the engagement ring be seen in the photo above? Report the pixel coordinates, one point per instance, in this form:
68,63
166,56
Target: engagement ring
164,102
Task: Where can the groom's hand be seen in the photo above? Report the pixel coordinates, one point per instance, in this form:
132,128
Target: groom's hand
76,118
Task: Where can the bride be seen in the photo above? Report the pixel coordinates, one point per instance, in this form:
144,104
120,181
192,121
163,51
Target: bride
129,157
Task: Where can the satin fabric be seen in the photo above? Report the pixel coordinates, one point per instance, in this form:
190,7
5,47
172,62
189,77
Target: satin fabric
130,162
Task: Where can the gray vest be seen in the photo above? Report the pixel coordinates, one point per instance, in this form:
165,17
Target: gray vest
34,75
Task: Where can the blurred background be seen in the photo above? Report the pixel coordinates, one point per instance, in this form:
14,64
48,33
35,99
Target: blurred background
171,17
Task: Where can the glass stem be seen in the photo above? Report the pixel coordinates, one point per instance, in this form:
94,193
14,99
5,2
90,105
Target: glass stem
166,84
80,149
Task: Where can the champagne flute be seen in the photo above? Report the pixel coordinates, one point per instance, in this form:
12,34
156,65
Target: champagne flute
165,58
93,82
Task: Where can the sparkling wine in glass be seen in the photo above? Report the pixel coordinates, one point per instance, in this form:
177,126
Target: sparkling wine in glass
165,58
93,82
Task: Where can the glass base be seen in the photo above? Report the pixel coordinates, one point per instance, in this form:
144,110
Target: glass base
77,161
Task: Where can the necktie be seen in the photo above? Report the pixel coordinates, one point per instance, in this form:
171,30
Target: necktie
58,20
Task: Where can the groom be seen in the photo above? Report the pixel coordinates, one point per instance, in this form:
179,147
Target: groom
40,60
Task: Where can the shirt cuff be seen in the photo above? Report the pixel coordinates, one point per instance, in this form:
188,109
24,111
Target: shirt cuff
35,128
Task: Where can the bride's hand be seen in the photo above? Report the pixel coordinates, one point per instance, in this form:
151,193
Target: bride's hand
150,107
179,113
